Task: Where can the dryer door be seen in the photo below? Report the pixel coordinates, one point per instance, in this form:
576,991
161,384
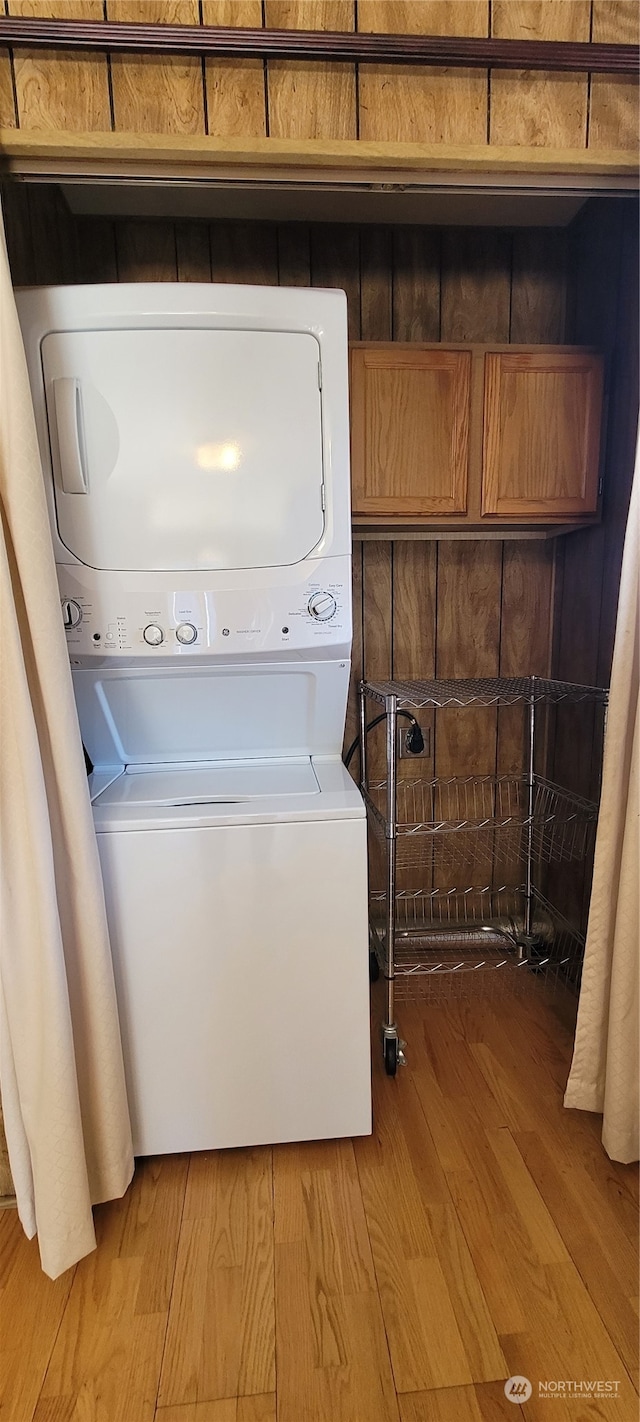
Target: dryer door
184,448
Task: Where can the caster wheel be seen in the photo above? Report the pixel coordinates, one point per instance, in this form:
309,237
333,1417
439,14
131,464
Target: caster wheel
374,968
390,1055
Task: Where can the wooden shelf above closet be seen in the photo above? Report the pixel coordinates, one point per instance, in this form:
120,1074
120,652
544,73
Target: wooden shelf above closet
182,176
161,157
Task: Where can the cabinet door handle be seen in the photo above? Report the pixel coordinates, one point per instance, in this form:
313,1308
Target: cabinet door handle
67,395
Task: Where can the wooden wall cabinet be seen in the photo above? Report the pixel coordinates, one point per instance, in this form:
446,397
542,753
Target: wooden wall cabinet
542,415
475,436
410,424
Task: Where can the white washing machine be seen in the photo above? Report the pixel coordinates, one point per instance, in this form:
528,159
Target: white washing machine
195,445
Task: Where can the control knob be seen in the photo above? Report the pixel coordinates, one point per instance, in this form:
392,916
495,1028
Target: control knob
322,606
153,635
186,633
71,613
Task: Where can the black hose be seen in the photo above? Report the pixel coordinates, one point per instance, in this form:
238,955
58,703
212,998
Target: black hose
416,745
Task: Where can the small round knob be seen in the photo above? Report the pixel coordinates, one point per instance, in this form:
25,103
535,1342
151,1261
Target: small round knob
322,606
186,633
71,613
153,635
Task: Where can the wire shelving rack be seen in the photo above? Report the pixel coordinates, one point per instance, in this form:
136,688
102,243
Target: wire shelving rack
475,850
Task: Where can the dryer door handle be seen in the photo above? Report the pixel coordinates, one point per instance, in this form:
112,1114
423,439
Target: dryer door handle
67,396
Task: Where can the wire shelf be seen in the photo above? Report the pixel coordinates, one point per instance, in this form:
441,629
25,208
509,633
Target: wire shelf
482,691
432,935
460,943
419,912
483,821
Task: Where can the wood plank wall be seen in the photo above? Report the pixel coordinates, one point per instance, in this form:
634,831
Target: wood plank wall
289,99
602,309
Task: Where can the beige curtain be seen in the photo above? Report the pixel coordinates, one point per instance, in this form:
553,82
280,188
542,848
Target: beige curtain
605,1071
61,1073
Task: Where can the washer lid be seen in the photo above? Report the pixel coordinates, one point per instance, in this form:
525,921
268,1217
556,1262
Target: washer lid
229,784
185,448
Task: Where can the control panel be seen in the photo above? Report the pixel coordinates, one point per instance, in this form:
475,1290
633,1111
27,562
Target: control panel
104,620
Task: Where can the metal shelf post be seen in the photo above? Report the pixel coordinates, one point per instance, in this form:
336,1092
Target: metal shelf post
528,905
392,751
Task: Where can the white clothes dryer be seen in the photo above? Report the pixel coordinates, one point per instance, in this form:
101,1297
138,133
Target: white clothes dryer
195,447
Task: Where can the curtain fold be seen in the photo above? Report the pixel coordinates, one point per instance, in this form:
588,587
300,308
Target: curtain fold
605,1071
61,1072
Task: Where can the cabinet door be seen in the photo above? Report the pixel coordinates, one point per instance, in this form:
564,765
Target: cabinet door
542,415
410,431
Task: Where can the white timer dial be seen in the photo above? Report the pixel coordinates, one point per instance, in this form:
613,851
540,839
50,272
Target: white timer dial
71,613
153,635
186,633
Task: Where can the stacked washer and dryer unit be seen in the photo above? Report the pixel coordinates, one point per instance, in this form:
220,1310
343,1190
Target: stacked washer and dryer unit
195,447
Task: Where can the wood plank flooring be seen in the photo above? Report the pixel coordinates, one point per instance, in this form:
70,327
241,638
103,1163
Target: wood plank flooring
481,1231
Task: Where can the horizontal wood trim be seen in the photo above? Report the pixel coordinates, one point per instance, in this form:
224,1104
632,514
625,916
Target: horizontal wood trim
492,525
344,160
404,349
372,532
319,45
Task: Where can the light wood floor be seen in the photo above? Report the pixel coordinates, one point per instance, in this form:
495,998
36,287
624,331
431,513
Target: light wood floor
480,1232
